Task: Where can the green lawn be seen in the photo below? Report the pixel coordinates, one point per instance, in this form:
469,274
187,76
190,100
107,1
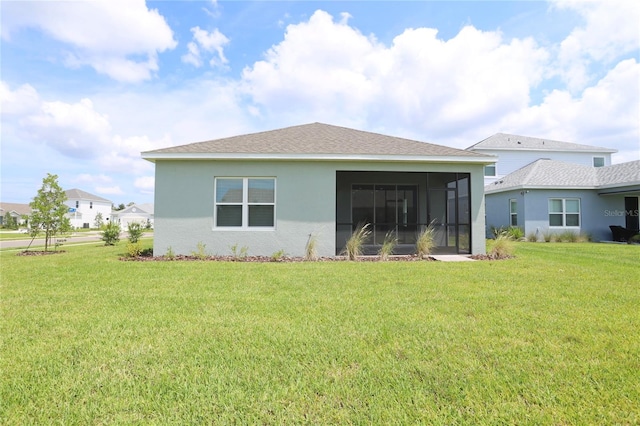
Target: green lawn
551,337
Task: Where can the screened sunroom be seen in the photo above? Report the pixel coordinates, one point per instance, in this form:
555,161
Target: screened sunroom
401,204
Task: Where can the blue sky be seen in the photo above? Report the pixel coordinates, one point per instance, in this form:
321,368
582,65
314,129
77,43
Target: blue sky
86,86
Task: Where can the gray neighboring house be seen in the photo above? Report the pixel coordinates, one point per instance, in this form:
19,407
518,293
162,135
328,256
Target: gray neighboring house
515,152
16,210
140,213
554,196
275,190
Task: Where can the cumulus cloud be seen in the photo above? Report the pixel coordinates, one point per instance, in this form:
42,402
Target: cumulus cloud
145,184
75,130
210,42
118,38
422,82
609,31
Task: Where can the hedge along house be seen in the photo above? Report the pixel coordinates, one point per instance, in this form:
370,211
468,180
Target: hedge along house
278,189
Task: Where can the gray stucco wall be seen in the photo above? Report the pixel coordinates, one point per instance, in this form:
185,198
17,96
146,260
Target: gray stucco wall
305,204
597,212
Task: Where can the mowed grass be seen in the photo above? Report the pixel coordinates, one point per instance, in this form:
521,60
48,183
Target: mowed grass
551,337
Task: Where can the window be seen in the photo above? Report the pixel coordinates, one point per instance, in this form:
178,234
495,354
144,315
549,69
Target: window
77,204
598,161
490,170
564,212
90,204
245,202
513,212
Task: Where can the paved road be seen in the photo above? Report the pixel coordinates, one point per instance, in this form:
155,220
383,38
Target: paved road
39,242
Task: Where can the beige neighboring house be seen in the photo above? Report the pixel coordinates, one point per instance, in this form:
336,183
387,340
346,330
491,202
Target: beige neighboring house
141,213
16,210
84,207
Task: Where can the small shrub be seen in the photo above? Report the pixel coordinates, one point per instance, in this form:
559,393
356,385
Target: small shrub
425,241
135,231
388,245
201,252
634,240
311,249
502,247
239,254
532,237
110,233
353,247
516,233
170,254
277,256
133,249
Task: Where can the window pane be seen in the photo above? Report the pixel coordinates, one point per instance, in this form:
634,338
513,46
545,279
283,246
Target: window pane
261,190
555,206
490,170
573,220
555,220
514,220
598,161
228,190
572,206
260,215
229,216
513,206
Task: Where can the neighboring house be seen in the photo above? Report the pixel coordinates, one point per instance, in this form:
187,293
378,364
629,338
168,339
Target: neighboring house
16,210
140,213
554,196
515,151
276,190
83,208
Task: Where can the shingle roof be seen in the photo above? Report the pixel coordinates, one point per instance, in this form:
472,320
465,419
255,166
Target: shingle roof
75,193
546,173
502,141
316,139
16,207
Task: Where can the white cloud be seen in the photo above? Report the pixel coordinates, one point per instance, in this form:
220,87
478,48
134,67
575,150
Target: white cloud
610,30
209,42
605,114
109,190
145,184
109,36
334,73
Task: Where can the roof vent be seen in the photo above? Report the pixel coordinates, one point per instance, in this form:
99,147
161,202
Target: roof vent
519,143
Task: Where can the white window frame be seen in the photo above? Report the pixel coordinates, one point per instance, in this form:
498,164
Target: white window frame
513,201
495,170
564,213
245,204
593,161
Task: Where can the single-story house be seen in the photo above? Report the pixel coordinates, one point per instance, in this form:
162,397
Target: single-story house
140,213
19,212
276,190
549,196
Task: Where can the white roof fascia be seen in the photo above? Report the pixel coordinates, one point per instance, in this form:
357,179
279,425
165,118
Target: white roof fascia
552,187
572,151
317,157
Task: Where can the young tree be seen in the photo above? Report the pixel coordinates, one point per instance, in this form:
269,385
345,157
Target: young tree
49,210
98,222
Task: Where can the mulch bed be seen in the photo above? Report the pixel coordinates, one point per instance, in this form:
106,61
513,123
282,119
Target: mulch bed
38,252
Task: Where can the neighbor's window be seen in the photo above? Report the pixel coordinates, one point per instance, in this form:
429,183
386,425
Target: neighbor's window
490,170
564,212
77,204
245,202
598,161
513,212
90,204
